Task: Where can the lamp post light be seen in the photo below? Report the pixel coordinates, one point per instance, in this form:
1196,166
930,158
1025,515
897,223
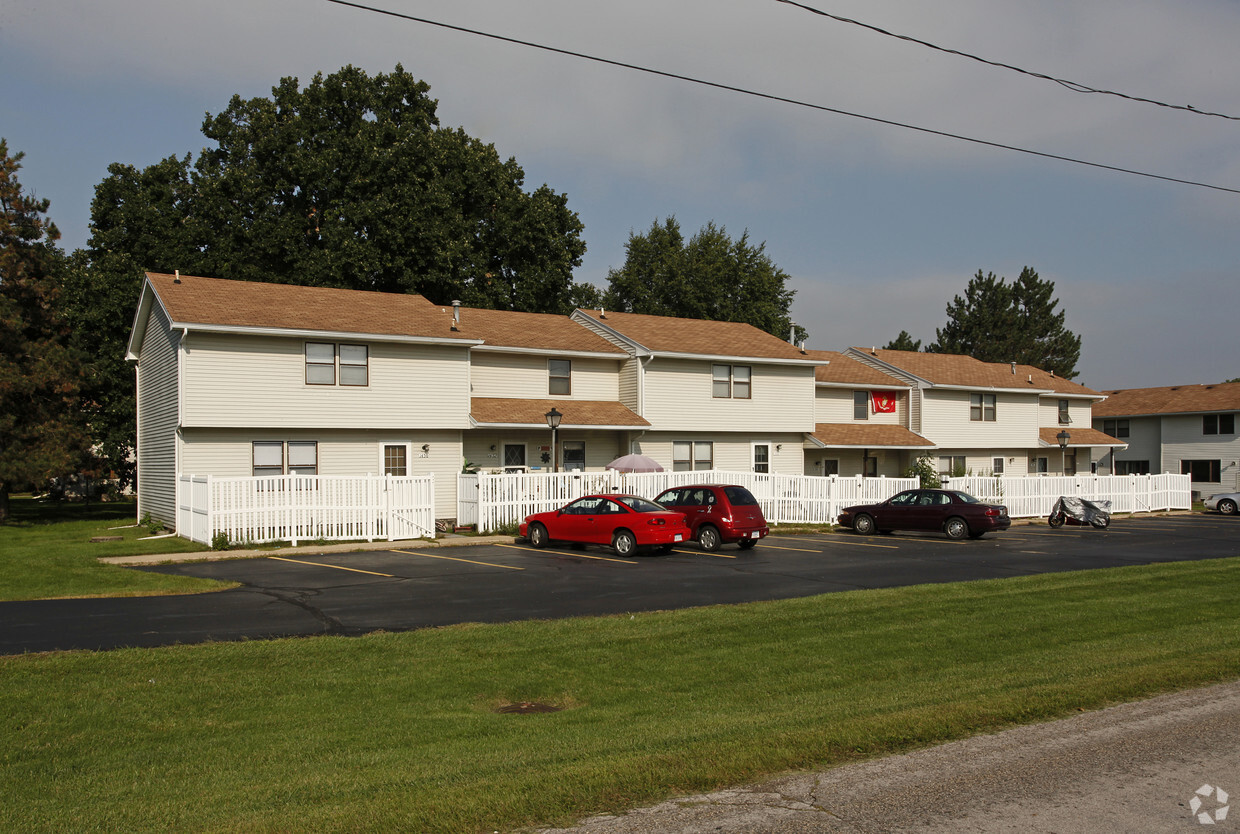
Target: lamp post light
1063,437
553,422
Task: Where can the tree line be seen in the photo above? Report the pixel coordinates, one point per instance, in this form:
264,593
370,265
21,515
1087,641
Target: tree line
350,181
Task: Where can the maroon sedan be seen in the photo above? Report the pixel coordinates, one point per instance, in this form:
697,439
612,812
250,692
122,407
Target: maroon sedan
956,513
625,522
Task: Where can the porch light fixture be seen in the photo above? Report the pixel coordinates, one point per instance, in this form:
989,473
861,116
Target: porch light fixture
553,422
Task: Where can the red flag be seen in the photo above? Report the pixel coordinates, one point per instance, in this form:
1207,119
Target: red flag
884,401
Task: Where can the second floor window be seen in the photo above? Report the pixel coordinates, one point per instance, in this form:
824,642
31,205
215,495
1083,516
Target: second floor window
1115,428
731,381
1218,424
982,407
1064,417
559,376
861,405
325,361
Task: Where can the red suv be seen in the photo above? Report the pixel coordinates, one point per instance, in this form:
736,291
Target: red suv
718,513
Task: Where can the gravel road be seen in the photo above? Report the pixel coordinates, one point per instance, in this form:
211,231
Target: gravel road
1129,768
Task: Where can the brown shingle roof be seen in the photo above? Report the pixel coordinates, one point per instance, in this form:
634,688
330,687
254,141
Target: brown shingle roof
1177,399
848,371
219,302
665,334
577,413
1079,437
954,369
537,331
872,436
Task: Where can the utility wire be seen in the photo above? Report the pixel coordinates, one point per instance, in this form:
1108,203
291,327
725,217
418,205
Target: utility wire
772,97
1071,85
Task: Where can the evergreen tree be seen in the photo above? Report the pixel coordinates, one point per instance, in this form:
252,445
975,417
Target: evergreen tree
1001,322
41,436
903,342
710,276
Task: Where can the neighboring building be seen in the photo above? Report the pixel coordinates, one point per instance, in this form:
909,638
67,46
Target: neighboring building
993,417
1186,429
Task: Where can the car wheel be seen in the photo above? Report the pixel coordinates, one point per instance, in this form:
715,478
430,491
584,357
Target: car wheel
624,543
863,525
956,528
1055,521
709,538
1227,507
538,535
747,544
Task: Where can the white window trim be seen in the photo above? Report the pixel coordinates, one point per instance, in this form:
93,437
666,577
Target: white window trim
408,455
770,457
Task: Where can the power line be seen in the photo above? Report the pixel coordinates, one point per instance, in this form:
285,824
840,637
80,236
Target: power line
1071,85
773,97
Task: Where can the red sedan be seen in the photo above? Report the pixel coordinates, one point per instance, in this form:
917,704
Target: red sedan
625,522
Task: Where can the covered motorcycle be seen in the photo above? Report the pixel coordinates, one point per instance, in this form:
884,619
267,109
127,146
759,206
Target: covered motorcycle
1078,511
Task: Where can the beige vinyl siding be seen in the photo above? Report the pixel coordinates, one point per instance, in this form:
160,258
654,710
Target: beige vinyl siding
1079,412
157,376
946,422
526,377
892,463
732,452
630,384
602,447
259,381
835,405
678,394
228,453
1183,439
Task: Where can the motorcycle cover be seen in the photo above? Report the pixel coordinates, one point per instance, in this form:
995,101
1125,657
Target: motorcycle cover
1094,513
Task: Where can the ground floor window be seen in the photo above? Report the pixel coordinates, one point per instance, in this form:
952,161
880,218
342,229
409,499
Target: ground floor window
831,467
269,457
996,466
953,465
1208,471
1132,467
692,454
574,455
1039,466
396,459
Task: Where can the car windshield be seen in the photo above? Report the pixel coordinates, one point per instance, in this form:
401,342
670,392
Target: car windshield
966,498
740,497
637,504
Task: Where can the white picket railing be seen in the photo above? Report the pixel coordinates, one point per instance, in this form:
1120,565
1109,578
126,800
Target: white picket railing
503,500
1031,496
297,508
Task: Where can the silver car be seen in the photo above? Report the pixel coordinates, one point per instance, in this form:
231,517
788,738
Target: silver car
1224,502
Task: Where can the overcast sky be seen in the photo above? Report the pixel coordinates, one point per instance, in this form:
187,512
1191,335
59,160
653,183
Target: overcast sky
878,226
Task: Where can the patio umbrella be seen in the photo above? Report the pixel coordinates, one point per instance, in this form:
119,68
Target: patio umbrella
634,463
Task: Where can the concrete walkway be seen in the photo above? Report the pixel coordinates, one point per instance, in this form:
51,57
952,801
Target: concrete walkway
1130,768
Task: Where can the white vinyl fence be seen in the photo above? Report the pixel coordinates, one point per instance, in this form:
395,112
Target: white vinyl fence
493,502
1030,496
297,508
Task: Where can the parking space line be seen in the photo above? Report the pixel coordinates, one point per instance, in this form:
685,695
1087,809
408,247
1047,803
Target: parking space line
456,559
704,553
573,553
792,549
334,567
849,543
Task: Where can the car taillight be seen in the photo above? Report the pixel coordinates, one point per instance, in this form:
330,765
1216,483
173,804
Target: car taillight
993,511
658,521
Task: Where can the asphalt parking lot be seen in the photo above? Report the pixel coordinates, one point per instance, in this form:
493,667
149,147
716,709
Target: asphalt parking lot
402,589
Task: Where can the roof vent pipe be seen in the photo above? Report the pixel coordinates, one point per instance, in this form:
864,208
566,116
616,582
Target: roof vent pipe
176,278
456,311
792,333
1013,368
602,313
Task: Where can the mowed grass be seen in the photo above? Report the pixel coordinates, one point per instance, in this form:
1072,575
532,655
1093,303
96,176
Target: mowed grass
46,552
397,732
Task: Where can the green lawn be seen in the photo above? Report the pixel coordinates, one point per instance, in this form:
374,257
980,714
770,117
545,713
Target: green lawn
397,732
46,552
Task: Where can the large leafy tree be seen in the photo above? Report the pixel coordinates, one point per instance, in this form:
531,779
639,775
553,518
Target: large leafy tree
709,276
41,435
1000,322
346,182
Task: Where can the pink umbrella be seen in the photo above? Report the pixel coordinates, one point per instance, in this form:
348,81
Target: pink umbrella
634,463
